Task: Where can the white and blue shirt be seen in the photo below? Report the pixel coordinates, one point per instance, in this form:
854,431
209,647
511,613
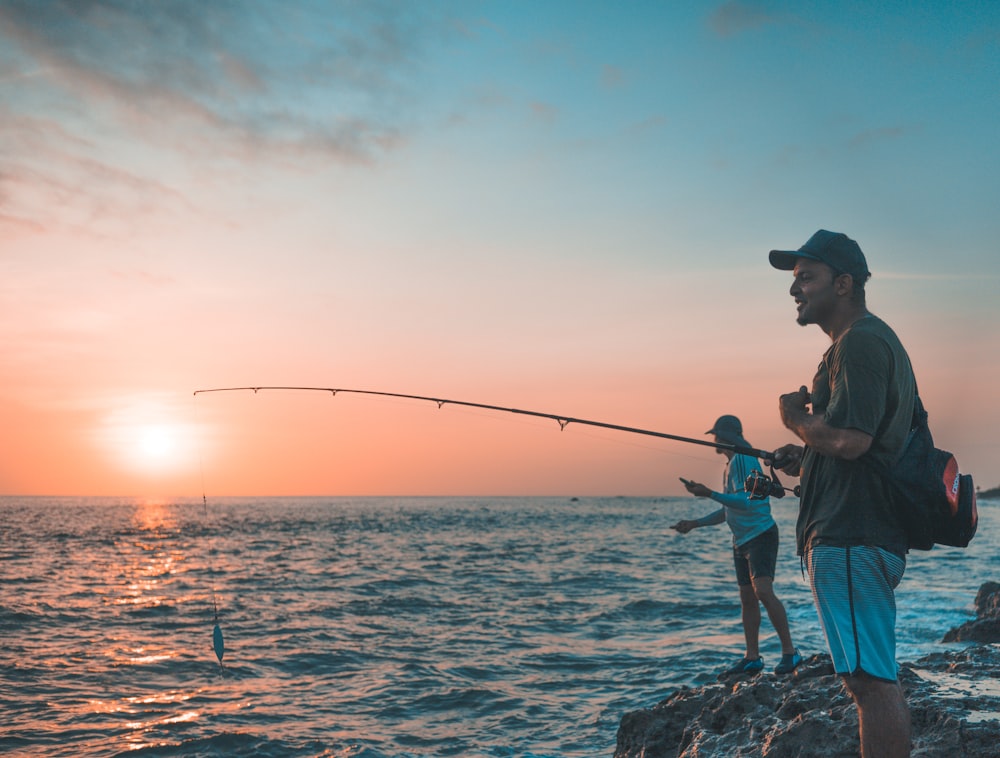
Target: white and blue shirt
746,518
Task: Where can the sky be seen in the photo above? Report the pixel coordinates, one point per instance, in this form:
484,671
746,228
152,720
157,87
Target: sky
564,207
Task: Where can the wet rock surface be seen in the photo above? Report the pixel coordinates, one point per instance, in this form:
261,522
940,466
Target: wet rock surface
954,699
986,626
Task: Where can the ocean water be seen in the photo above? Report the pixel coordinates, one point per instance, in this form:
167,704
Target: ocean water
386,626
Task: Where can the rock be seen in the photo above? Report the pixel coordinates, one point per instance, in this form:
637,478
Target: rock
953,696
954,709
986,626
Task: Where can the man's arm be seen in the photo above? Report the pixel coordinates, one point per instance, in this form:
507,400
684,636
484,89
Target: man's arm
686,525
847,444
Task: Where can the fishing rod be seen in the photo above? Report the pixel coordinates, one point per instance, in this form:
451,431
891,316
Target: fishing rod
563,421
758,484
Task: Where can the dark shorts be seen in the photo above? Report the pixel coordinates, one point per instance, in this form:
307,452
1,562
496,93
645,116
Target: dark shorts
756,557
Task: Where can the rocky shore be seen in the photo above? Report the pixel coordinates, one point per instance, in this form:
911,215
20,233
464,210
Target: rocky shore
954,699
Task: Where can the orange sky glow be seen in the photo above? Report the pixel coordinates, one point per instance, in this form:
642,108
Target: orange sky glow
494,208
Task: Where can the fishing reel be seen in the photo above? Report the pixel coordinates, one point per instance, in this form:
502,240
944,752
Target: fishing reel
759,486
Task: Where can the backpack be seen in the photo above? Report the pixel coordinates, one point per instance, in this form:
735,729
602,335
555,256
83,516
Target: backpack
935,502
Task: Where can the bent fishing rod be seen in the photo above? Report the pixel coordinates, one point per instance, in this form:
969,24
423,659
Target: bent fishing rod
563,421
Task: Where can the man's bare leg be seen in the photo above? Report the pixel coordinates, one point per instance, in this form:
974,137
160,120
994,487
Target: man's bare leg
764,588
883,717
751,620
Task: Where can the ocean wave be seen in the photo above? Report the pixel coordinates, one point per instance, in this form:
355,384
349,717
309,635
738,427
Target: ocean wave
394,627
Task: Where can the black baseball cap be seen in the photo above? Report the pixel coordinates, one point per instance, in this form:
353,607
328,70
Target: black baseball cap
835,249
729,429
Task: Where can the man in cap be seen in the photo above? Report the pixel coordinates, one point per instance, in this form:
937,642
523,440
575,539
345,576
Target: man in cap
853,543
755,548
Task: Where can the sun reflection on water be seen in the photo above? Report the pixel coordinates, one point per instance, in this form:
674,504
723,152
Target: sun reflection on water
146,725
147,563
150,658
154,516
146,713
146,583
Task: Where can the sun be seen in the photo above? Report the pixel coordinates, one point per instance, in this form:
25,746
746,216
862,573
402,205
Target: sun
147,437
157,443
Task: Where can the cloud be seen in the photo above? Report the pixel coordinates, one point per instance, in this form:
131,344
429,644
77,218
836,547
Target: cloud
977,276
147,278
612,77
796,154
257,73
18,225
651,124
214,84
43,166
737,16
868,136
544,112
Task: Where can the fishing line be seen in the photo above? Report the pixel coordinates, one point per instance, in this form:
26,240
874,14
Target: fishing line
218,643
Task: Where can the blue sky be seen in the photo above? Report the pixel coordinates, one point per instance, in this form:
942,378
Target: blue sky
560,205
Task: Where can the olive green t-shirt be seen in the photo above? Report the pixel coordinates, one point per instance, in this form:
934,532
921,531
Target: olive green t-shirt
864,382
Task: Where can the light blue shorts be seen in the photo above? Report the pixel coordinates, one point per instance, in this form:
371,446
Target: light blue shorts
853,589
